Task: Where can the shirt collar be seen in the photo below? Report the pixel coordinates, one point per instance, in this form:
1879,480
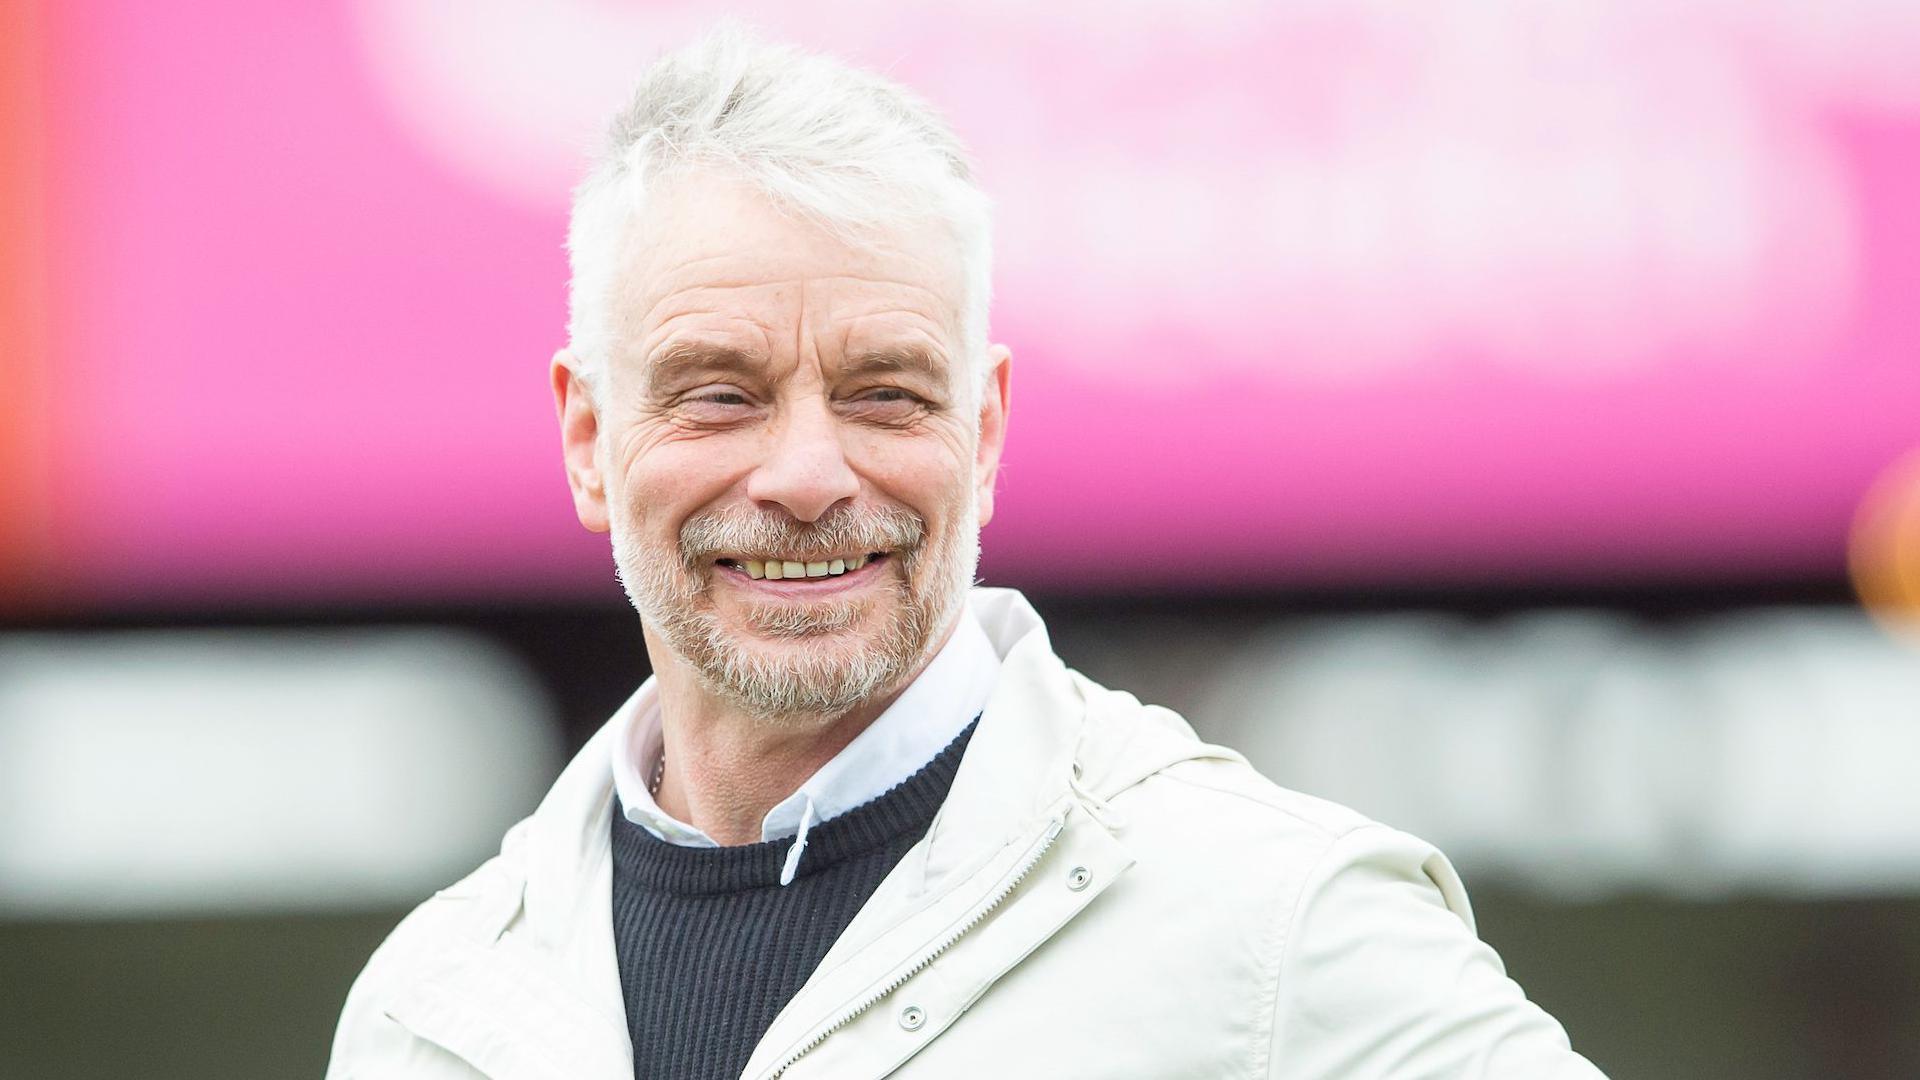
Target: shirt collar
928,714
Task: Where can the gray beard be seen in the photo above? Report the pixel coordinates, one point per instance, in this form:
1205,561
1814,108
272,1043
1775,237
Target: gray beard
670,591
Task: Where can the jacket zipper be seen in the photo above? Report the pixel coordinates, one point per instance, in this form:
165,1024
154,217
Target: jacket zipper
972,920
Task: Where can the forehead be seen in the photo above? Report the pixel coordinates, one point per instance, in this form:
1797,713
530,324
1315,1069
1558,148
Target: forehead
709,253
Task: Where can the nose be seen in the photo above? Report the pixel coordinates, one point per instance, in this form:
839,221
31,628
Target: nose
805,470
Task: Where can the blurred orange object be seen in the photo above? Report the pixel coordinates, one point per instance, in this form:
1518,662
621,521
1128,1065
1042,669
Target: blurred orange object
23,487
1885,550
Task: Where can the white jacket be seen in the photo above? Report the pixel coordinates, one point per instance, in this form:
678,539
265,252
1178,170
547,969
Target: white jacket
1102,895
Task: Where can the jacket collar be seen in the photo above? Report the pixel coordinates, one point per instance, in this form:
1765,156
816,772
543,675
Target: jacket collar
1011,773
1034,744
1019,759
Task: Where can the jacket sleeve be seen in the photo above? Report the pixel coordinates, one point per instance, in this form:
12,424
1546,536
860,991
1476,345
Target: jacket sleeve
1382,975
370,1045
367,1043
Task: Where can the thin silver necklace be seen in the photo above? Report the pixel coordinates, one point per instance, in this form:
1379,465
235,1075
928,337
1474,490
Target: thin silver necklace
659,774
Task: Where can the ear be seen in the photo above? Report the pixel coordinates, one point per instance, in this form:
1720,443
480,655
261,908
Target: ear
579,440
995,396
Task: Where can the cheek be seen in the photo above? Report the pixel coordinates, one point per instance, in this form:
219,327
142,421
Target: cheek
667,481
931,476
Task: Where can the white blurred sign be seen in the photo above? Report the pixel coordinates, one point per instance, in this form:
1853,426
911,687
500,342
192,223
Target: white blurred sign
153,773
1587,753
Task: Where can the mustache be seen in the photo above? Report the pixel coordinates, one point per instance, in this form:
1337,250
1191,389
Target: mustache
844,529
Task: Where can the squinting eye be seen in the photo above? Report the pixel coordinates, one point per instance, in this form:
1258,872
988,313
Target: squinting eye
723,397
886,394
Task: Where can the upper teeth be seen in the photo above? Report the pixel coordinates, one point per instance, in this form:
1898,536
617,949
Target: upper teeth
776,569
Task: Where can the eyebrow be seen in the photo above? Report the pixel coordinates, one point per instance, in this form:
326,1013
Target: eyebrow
684,357
913,359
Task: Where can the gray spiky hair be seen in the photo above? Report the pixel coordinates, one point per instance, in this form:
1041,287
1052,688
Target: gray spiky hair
839,146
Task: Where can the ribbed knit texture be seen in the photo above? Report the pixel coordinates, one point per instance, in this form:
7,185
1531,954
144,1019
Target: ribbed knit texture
711,946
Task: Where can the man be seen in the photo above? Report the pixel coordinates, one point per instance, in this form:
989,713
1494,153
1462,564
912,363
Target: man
862,820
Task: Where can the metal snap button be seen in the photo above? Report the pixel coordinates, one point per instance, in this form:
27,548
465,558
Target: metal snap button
912,1017
1078,877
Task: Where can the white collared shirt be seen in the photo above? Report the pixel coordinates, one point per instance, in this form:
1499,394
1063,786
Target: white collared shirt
928,714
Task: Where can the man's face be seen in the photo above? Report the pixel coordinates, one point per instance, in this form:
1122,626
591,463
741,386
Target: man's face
789,448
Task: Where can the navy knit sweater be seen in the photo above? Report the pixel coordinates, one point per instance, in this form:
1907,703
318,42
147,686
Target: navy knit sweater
711,945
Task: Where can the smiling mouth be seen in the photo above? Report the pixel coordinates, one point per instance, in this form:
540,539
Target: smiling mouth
787,569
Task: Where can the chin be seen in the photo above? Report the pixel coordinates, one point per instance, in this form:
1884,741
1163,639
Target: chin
783,667
797,686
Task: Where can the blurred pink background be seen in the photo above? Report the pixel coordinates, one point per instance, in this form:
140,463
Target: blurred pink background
1323,297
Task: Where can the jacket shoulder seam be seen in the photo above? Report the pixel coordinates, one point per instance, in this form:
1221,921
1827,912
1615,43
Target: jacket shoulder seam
1331,831
1279,938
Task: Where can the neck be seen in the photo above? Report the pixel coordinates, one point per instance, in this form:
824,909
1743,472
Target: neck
725,768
